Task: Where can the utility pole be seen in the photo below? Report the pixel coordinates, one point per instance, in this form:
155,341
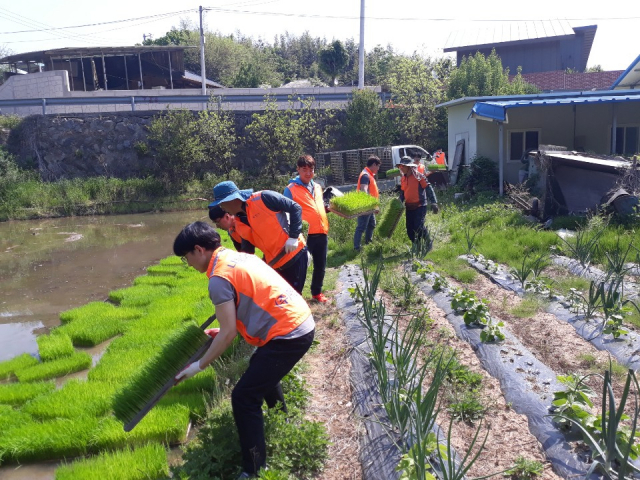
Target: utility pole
202,69
361,52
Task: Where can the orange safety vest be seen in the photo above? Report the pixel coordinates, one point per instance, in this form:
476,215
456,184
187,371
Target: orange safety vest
233,233
411,188
266,305
267,230
313,211
373,186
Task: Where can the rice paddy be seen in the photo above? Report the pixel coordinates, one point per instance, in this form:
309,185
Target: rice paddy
40,423
145,463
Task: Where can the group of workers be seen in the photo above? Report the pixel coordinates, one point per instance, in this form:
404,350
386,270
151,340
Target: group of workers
262,300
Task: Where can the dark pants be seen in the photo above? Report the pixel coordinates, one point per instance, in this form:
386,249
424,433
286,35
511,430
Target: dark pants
317,244
261,382
366,225
415,223
295,271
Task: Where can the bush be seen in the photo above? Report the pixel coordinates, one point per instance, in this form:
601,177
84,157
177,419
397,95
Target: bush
481,175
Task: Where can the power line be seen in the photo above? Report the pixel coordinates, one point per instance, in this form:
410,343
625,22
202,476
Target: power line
97,24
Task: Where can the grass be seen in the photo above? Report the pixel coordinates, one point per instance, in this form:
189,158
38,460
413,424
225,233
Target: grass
56,368
75,399
173,356
19,393
9,367
528,306
52,347
145,463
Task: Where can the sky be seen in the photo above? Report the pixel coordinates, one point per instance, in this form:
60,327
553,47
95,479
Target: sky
407,25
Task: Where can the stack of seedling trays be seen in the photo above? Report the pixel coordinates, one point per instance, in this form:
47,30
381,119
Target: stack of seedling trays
45,416
354,204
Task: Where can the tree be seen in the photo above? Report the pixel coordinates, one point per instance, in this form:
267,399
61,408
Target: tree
367,124
415,92
316,127
184,141
480,76
333,59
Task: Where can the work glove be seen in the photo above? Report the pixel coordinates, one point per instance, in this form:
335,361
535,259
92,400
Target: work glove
434,208
212,332
290,245
190,371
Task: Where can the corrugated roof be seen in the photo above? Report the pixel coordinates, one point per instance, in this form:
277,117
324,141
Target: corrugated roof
497,110
45,55
561,80
508,32
630,78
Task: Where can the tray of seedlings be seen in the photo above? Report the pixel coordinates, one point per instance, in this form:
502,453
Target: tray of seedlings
354,204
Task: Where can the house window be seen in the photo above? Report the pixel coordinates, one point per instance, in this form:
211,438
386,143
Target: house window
627,140
521,141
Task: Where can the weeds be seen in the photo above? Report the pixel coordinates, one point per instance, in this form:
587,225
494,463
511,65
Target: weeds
524,469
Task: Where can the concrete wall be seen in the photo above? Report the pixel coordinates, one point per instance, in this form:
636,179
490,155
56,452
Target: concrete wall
461,126
55,84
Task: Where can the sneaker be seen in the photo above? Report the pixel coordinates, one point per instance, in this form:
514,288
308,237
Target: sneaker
320,298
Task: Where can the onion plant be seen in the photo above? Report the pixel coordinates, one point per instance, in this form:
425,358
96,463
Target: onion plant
617,259
55,368
9,367
354,203
19,393
53,346
584,246
173,356
145,463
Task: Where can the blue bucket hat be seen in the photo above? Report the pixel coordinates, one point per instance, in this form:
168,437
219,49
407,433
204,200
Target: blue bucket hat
227,191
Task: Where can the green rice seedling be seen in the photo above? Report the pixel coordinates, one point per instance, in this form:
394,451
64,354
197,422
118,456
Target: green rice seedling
394,172
53,346
37,441
171,260
120,366
90,332
138,296
173,356
102,310
156,280
140,337
9,367
12,418
182,306
390,219
55,368
202,382
76,398
195,402
165,424
19,393
353,203
148,462
170,270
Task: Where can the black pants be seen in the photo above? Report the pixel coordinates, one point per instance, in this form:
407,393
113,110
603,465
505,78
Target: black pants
317,245
295,271
261,382
415,223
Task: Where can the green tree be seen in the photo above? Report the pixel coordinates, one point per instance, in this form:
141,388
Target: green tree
185,141
316,127
367,123
415,92
480,76
275,133
333,59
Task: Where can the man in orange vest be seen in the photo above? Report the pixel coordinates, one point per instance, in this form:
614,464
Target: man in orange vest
227,222
308,194
253,300
415,190
270,222
367,183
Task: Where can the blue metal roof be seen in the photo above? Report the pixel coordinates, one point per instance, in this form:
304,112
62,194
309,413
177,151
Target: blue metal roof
497,110
630,78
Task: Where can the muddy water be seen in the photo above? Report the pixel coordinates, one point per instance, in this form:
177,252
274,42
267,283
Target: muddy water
48,266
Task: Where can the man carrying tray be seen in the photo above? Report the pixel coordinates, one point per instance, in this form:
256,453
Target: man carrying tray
415,190
270,222
367,183
251,299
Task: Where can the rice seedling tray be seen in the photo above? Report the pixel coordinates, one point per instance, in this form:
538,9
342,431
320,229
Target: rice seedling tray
355,215
169,383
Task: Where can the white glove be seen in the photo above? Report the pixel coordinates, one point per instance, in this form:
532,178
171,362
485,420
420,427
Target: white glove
290,245
189,372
